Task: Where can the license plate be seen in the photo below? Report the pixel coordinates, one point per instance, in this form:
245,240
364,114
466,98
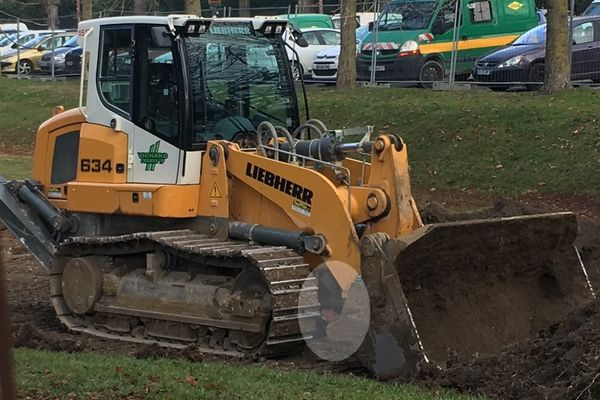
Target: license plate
70,63
321,66
481,71
377,68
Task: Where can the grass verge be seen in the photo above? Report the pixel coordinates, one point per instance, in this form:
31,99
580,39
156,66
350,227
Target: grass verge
503,143
15,167
95,376
25,104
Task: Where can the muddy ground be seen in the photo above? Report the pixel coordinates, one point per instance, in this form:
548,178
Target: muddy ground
563,363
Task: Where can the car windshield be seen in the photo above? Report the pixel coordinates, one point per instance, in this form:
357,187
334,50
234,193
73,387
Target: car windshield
536,35
406,16
237,82
593,9
7,40
71,42
33,43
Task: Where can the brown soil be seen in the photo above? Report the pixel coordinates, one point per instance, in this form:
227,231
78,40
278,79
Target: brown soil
563,362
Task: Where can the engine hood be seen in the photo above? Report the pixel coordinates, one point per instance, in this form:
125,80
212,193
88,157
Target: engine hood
511,51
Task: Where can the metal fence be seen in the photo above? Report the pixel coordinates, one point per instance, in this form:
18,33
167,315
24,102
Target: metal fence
404,43
495,44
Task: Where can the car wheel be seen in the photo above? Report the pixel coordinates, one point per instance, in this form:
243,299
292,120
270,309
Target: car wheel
25,67
431,71
536,74
297,71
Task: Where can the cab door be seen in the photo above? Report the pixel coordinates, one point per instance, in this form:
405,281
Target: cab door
124,90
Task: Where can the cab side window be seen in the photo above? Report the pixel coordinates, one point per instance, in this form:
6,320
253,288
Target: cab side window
114,76
156,98
480,11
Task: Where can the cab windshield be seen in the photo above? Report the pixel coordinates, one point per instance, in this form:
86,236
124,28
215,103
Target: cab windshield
534,36
237,82
407,16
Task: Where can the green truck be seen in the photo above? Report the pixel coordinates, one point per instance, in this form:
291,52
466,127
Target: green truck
413,39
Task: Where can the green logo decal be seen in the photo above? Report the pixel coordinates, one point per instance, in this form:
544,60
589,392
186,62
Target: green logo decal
152,157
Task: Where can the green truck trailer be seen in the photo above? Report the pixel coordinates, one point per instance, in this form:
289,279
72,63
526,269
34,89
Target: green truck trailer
412,40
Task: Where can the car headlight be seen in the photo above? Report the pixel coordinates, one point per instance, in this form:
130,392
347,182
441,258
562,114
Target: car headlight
513,62
60,57
409,45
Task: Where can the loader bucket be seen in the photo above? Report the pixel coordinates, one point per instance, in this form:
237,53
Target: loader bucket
459,288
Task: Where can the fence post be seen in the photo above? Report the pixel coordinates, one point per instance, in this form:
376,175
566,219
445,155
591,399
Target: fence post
455,39
374,48
572,6
18,49
52,55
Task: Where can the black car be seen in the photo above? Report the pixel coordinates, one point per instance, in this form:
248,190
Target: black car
523,60
73,61
59,55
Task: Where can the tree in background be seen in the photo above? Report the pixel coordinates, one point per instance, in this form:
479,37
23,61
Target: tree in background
193,7
52,13
346,76
244,7
86,9
139,7
557,68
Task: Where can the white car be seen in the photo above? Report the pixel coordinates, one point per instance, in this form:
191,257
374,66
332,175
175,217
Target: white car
325,63
317,39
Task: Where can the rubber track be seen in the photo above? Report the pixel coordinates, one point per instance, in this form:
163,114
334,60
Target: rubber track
284,270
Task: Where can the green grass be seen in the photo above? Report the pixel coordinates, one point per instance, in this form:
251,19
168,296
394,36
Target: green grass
90,375
504,144
15,167
25,104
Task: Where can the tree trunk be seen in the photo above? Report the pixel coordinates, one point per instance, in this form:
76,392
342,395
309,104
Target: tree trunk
52,13
193,7
139,7
86,9
305,6
244,8
557,68
346,76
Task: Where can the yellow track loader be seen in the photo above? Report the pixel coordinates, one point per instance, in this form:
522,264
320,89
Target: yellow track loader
185,202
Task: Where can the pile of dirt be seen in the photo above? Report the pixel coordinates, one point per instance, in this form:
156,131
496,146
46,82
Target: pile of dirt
562,363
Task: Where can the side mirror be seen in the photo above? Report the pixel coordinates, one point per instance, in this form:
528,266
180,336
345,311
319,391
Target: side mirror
302,42
14,46
371,24
297,36
41,48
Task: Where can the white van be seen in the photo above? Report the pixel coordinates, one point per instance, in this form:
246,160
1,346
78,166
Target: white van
10,28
